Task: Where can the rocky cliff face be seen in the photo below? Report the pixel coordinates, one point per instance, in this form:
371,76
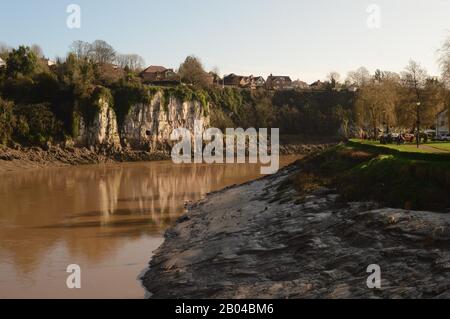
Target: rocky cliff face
151,124
102,131
147,125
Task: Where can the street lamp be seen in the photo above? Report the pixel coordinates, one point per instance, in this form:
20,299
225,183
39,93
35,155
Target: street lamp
418,124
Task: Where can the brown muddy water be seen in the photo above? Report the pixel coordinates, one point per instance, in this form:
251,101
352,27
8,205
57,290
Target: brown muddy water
108,219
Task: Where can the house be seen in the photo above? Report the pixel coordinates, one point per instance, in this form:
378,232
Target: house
442,123
318,85
2,63
159,75
300,85
258,82
276,82
237,80
110,72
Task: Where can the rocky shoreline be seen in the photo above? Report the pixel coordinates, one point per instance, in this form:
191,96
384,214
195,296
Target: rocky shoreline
17,157
263,240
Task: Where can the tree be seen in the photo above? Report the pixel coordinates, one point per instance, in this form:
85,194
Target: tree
360,77
414,79
22,60
444,61
4,50
81,49
102,52
37,50
133,62
333,78
192,72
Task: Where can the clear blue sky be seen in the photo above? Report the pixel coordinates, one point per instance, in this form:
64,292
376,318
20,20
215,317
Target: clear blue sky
303,39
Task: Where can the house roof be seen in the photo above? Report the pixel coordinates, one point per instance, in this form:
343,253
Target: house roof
279,77
154,69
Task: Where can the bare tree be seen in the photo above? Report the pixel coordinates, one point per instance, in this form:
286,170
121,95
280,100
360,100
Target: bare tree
4,49
334,78
81,49
414,79
37,50
132,61
360,77
444,61
101,52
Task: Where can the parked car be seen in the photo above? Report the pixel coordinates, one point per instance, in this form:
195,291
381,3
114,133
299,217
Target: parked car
444,137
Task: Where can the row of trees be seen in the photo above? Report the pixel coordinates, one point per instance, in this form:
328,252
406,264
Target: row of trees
102,52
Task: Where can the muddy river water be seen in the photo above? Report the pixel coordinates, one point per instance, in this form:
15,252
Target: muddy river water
108,219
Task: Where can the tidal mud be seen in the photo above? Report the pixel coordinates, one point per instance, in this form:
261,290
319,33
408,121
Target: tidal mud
263,240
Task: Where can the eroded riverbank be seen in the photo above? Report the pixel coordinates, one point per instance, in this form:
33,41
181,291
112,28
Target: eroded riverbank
255,241
19,158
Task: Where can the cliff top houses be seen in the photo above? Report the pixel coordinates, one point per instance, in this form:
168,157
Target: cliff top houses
2,63
159,75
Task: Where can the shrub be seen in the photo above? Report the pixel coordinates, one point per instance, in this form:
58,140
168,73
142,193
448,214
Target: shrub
7,121
36,124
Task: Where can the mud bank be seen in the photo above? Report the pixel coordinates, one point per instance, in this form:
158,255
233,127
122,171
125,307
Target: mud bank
17,158
255,241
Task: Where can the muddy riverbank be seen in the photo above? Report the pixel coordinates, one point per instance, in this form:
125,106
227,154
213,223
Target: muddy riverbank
264,240
17,158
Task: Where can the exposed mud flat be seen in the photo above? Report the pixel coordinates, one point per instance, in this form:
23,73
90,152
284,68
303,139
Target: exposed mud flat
261,240
19,158
13,159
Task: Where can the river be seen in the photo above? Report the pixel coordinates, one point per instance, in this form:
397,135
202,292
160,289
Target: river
108,219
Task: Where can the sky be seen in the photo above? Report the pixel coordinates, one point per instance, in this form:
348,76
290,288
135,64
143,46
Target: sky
303,39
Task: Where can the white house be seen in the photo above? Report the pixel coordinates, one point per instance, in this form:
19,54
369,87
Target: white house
2,63
442,124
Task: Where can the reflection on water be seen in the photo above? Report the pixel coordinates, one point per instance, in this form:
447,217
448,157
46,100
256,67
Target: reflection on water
108,219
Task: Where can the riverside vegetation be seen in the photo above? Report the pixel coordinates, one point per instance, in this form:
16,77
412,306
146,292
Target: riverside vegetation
41,104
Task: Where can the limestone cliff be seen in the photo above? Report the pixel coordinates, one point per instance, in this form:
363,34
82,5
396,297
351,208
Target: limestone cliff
147,125
151,124
102,130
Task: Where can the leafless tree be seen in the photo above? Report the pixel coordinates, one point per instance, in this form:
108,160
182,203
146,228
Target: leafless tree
360,77
414,78
132,61
81,49
444,61
37,50
101,52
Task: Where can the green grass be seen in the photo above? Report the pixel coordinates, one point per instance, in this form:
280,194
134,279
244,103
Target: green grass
432,148
395,177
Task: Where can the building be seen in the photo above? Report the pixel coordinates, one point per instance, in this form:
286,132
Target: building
300,85
318,85
159,75
258,82
442,123
277,82
240,81
2,63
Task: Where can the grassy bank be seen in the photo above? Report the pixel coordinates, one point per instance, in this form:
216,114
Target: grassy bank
396,178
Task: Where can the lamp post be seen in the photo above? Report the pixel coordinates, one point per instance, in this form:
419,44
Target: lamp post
418,124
